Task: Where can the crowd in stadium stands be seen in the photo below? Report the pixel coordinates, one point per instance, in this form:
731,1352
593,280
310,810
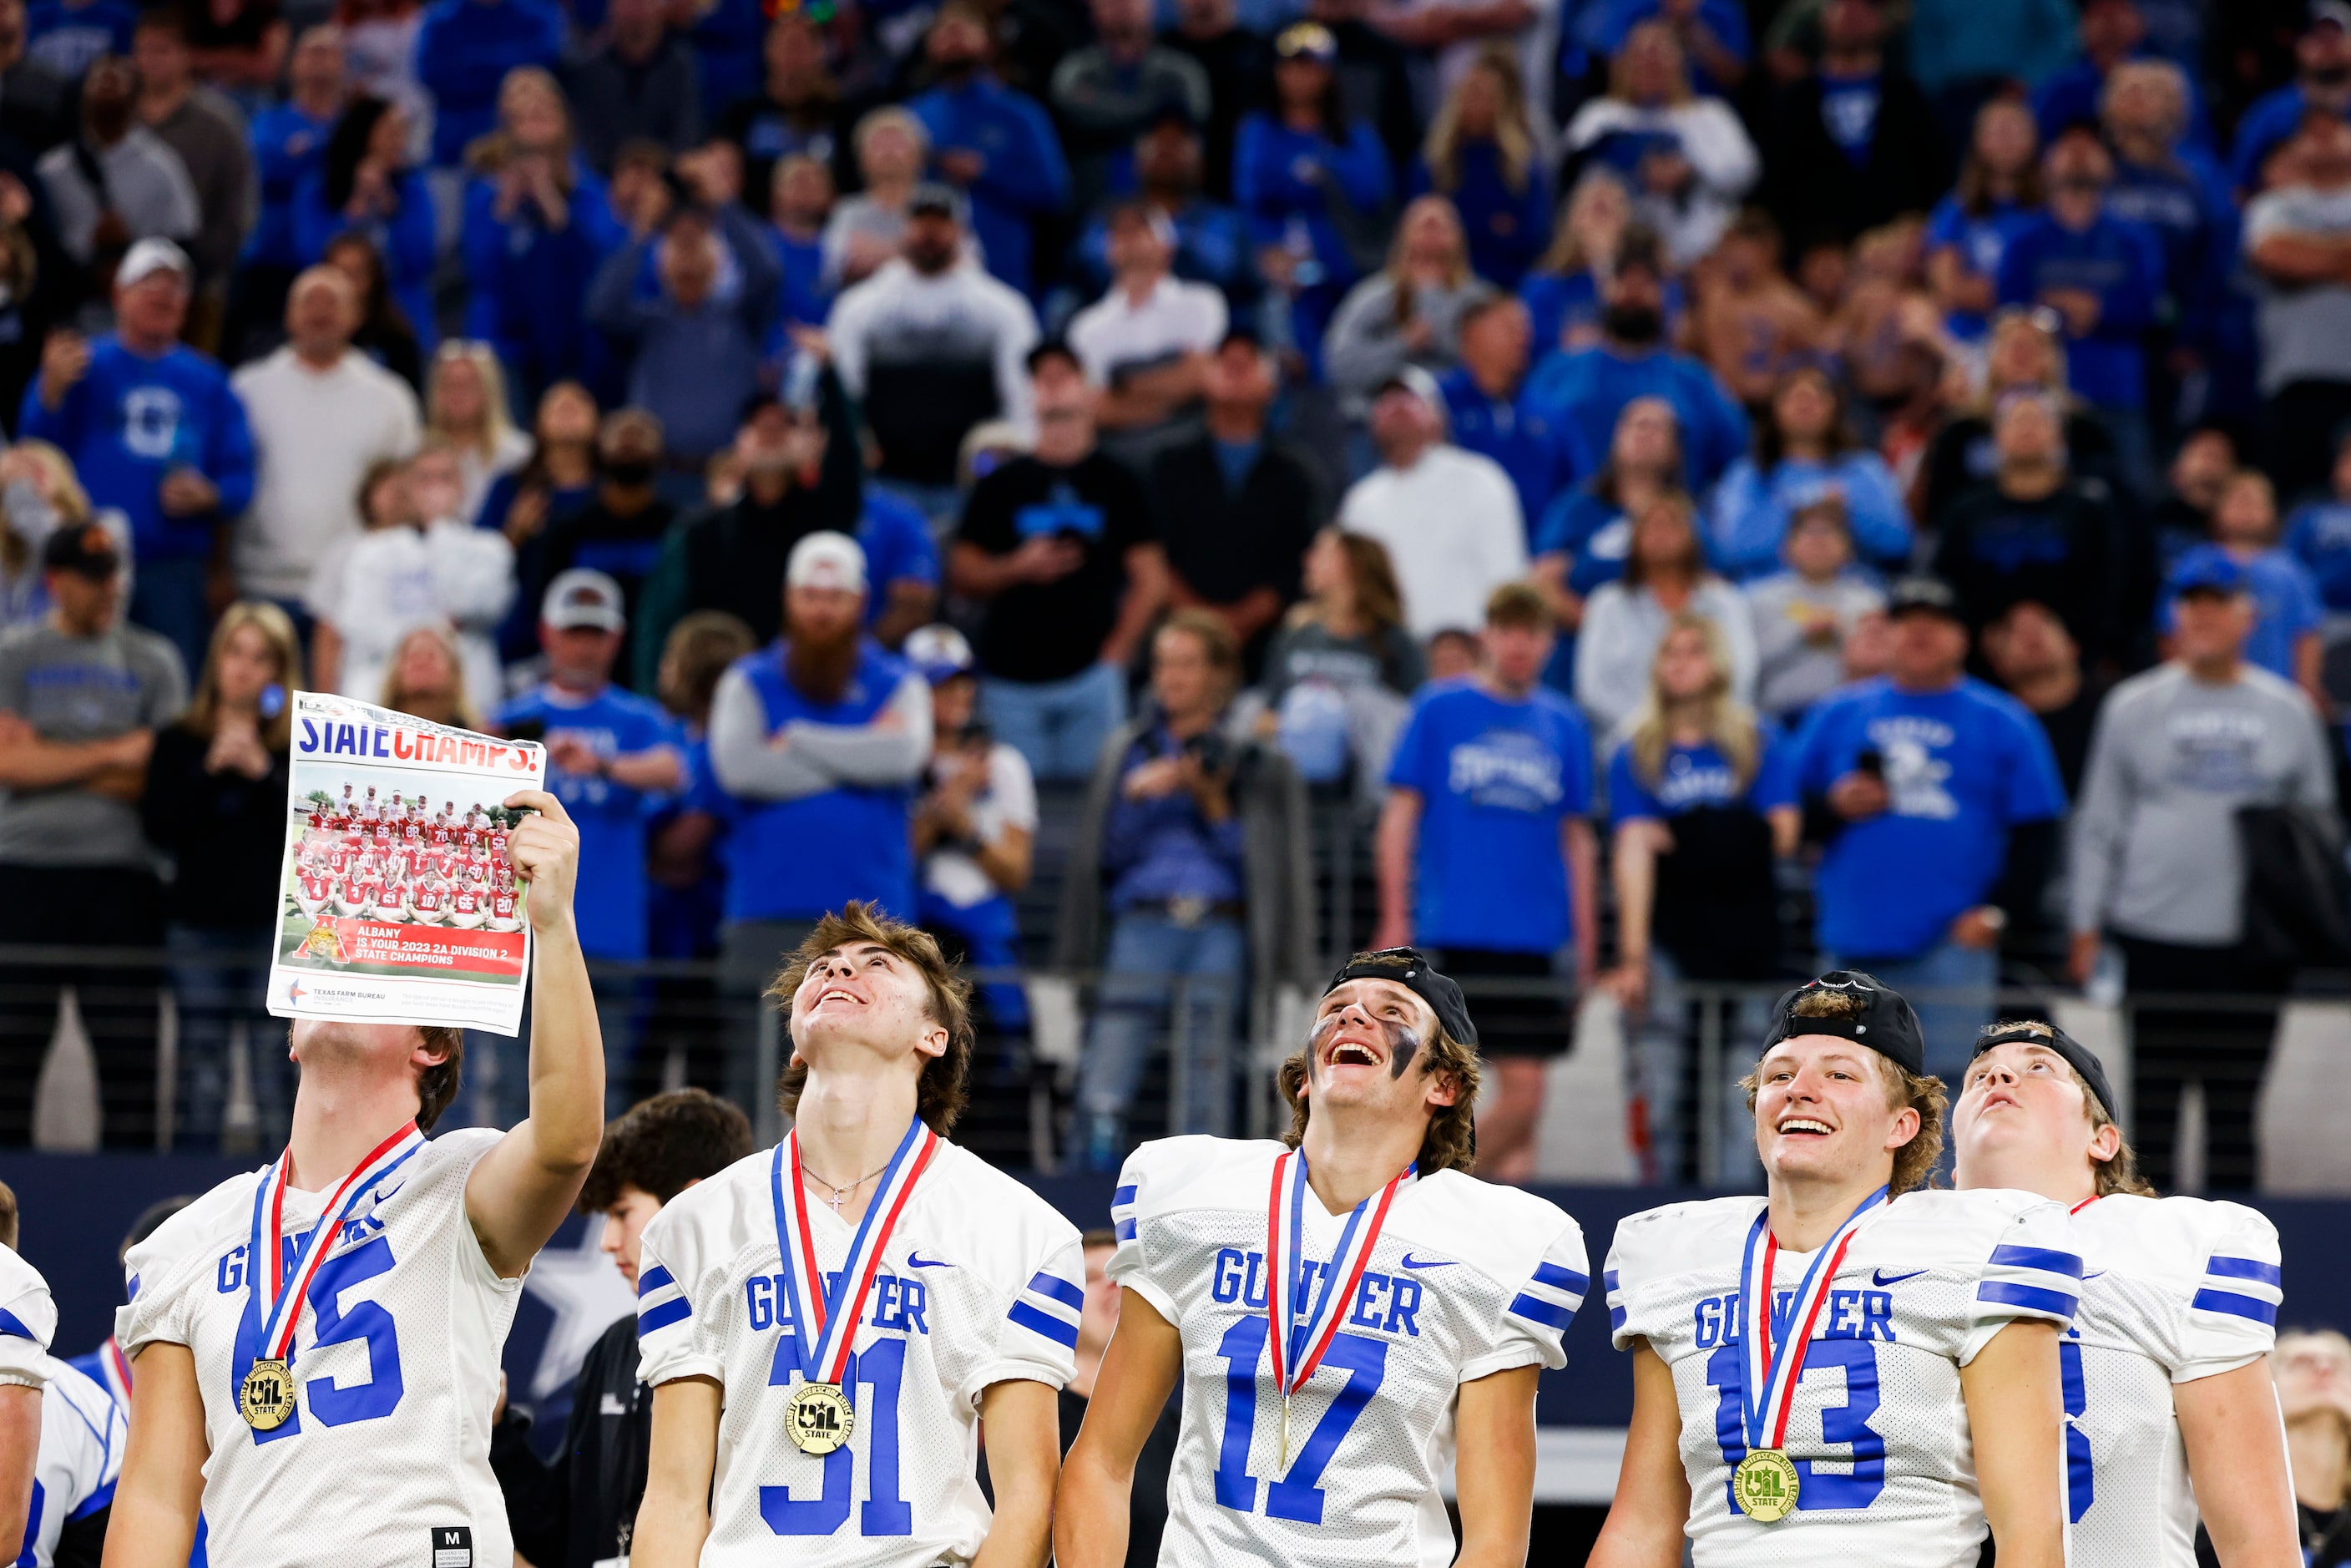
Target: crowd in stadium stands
1652,458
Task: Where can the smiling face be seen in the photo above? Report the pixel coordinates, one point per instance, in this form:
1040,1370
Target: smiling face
1369,1051
1824,1114
2024,1121
861,997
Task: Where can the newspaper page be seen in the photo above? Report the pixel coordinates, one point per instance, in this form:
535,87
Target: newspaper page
398,901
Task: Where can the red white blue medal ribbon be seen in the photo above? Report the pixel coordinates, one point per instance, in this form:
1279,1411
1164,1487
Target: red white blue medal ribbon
278,1299
1301,1333
1768,1389
824,1317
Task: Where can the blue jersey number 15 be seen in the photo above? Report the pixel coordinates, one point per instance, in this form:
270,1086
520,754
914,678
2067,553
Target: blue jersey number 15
1294,1496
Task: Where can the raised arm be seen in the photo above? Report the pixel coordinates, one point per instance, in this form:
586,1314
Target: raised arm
1494,1472
1022,1419
674,1520
2016,1410
162,1486
1651,1509
2237,1462
521,1190
1139,1369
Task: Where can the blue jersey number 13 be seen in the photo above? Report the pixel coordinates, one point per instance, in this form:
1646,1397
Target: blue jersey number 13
1294,1496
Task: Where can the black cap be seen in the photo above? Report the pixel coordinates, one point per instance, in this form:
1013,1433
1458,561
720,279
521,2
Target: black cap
933,199
2078,1057
1410,967
1886,1023
1928,593
87,550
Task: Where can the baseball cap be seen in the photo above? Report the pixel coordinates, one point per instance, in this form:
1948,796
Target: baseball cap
1410,967
1886,1023
1309,40
87,551
1418,381
2207,570
1931,594
582,597
148,255
827,560
932,199
2078,1057
939,651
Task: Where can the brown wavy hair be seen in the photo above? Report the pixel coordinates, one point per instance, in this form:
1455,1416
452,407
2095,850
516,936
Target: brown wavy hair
437,1086
1921,1091
944,1088
1451,1142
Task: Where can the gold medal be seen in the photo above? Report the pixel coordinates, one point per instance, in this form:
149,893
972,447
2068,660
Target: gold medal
266,1399
820,1419
1765,1484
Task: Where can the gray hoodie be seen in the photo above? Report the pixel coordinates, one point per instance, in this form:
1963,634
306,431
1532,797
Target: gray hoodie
2155,851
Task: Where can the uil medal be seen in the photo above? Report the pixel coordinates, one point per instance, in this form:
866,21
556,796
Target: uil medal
820,1419
266,1399
1765,1484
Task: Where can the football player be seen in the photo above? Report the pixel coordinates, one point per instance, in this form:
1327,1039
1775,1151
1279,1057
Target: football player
80,1449
315,1346
1340,1309
2170,1411
28,1320
825,1323
1851,1369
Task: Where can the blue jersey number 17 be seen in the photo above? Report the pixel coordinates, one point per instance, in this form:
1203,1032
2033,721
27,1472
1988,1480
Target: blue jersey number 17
1294,1496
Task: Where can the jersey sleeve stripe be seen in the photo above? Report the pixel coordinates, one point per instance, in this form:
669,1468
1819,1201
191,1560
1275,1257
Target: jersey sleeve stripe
2244,1268
2209,1300
1616,1308
1124,1230
653,1278
1560,1279
2006,1293
1534,1309
1052,1328
1060,1289
11,1324
654,1319
2046,1258
102,1498
1124,1197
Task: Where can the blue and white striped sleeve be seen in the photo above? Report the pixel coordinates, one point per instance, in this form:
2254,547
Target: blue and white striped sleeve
1037,1340
672,1342
2233,1316
2035,1271
1128,1264
28,1320
1534,1323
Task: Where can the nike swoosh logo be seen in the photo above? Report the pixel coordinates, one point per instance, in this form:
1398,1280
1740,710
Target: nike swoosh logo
2092,1275
916,1261
1883,1278
1417,1264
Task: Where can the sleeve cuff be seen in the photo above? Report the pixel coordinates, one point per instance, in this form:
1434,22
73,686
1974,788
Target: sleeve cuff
1507,1359
1150,1290
2193,1371
676,1367
1014,1369
16,1378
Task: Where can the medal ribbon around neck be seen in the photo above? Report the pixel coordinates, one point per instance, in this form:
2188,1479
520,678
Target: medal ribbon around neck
281,1312
833,1311
1298,1339
1767,1390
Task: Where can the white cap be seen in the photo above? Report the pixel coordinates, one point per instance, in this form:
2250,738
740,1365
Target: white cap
583,597
827,560
152,256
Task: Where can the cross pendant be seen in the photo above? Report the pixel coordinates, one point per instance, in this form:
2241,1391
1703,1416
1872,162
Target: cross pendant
838,1198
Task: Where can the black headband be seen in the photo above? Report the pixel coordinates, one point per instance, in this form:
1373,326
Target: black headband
2078,1057
1410,967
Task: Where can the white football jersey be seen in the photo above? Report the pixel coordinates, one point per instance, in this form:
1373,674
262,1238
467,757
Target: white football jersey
981,1282
1878,1430
28,1320
396,1370
82,1437
2174,1289
1466,1280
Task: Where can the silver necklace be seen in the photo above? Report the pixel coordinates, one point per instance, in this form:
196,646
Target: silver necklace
841,1195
